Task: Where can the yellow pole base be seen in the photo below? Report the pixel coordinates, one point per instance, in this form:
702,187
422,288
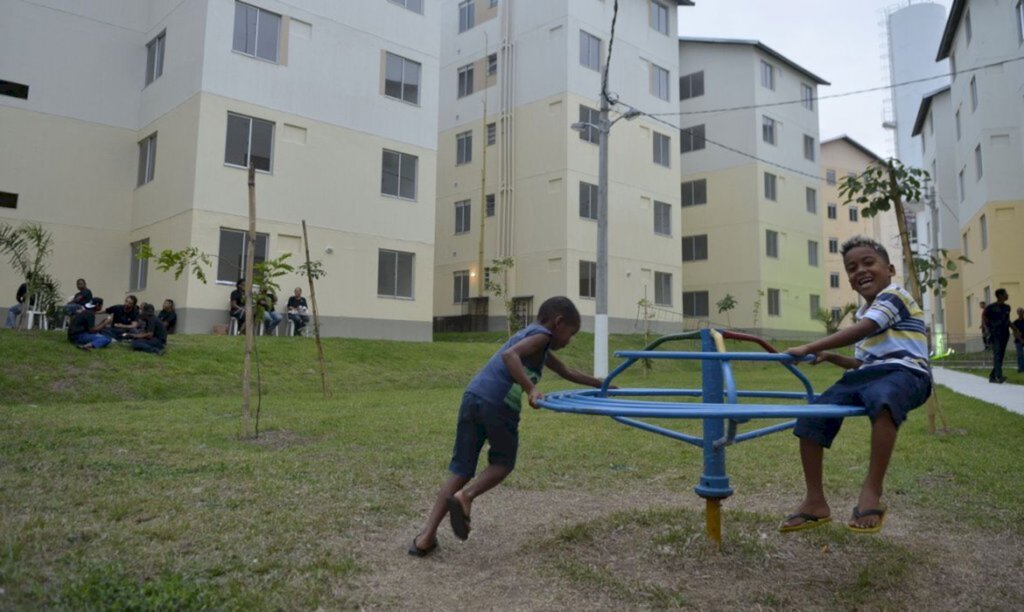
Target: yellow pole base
713,517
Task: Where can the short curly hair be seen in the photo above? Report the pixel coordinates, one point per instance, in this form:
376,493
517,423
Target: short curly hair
864,241
558,306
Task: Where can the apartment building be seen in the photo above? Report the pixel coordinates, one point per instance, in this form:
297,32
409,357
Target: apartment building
515,180
939,225
983,42
133,121
751,191
842,157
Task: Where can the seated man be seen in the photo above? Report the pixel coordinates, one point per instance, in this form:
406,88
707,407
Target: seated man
79,300
14,311
124,318
152,336
271,318
297,311
83,331
168,316
236,306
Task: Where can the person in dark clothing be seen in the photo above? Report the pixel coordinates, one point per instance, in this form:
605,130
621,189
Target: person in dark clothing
168,316
1018,338
297,311
153,336
14,311
236,307
83,331
997,319
124,318
80,299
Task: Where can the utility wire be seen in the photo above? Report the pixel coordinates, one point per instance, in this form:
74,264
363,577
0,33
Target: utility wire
608,60
840,95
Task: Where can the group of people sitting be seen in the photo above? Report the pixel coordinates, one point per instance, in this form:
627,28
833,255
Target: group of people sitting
142,327
296,309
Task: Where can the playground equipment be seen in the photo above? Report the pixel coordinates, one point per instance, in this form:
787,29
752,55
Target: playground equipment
719,408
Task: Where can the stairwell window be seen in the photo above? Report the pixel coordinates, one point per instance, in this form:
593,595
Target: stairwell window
155,57
807,96
588,200
812,253
770,186
833,211
833,246
463,148
590,51
257,32
462,216
774,303
771,243
147,159
467,15
465,80
662,146
811,196
767,75
659,16
660,82
768,130
662,218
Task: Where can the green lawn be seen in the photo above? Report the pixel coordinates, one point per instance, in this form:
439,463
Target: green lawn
124,484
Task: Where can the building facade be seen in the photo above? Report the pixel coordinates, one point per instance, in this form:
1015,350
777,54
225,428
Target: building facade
515,180
135,121
752,208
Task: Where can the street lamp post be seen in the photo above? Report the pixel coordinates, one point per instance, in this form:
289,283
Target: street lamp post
603,127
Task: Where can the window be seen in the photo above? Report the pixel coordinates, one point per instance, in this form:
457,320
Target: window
691,138
588,279
770,186
232,253
960,185
489,205
956,120
836,313
695,248
663,288
968,30
812,253
147,160
661,149
695,303
853,213
14,90
402,78
978,168
1019,18
768,130
590,51
155,57
249,140
492,64
588,200
974,93
830,177
767,75
8,200
462,212
811,195
460,287
833,211
694,193
808,148
660,82
139,267
774,303
398,177
463,148
659,16
415,6
465,80
691,85
662,218
833,280
771,243
256,32
815,303
394,273
984,232
492,133
833,245
807,96
589,117
467,15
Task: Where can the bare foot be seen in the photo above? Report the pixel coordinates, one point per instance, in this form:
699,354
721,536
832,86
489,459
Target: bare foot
818,509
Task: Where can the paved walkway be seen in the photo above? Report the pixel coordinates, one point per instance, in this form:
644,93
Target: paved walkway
1008,396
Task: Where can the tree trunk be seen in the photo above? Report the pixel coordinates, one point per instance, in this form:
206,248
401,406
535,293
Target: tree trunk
250,332
316,315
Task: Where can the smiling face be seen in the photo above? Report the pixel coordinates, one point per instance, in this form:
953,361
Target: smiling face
867,271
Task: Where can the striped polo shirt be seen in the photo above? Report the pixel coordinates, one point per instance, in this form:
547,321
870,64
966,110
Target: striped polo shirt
901,339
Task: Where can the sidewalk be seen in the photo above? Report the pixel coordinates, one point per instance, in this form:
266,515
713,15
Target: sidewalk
1010,397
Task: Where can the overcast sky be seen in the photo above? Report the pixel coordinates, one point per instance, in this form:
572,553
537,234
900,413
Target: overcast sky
841,42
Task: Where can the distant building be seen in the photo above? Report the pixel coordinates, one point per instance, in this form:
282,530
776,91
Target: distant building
752,209
132,122
535,67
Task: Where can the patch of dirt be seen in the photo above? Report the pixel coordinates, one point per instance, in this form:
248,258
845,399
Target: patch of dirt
276,439
656,555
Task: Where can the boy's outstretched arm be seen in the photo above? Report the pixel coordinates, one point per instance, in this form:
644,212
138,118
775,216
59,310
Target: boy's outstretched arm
572,375
844,337
512,358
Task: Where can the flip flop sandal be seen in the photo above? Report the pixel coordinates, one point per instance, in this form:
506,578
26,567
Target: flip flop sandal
458,518
809,522
859,514
416,551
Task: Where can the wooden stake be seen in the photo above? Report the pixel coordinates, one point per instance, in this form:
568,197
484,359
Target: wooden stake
250,336
316,315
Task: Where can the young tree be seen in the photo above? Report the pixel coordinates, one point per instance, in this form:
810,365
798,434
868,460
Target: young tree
832,321
29,248
501,291
725,305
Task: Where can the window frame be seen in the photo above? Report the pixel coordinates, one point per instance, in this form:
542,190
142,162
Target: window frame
833,211
592,193
767,75
691,85
983,224
662,145
658,17
774,297
467,15
662,288
974,93
813,256
771,244
147,160
768,133
830,177
854,214
809,144
661,82
256,37
398,258
588,53
833,246
695,248
662,218
405,4
692,138
402,159
490,204
464,148
588,279
460,286
249,141
814,301
692,300
590,118
771,187
807,96
463,217
979,166
138,269
689,191
811,200
403,83
155,50
492,133
223,260
834,281
465,83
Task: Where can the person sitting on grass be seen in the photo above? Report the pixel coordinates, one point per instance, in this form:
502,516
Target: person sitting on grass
888,375
490,413
83,331
124,318
168,316
152,336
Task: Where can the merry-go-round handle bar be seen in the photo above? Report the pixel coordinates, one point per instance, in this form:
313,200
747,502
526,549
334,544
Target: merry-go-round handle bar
782,357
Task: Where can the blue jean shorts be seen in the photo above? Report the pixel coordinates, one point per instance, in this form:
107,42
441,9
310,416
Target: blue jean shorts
481,421
885,387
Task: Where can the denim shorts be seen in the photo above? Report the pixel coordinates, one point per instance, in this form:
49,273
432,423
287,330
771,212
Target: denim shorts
885,387
481,421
